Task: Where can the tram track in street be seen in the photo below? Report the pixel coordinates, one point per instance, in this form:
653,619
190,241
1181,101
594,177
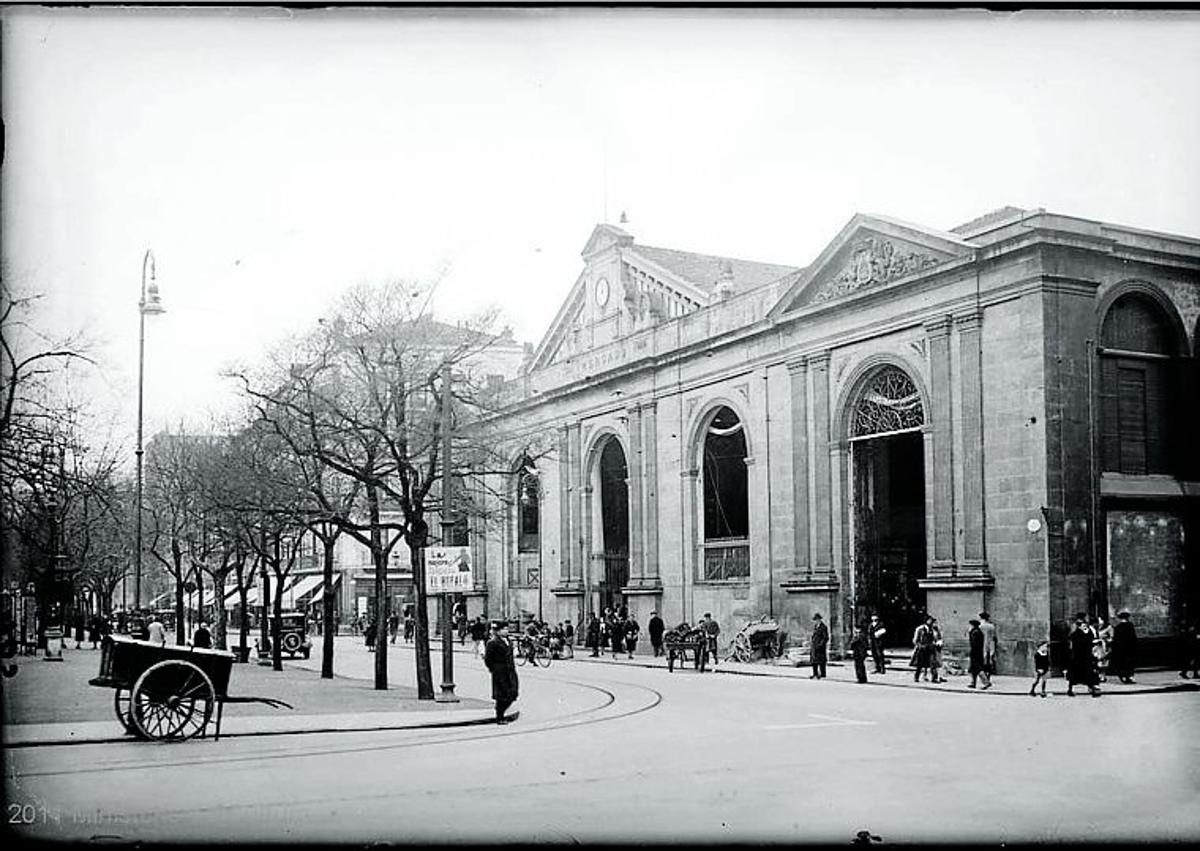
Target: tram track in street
579,718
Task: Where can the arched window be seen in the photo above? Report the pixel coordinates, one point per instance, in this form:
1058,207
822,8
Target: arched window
890,403
726,505
1135,375
528,508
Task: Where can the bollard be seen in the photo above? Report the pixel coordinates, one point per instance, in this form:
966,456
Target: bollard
54,644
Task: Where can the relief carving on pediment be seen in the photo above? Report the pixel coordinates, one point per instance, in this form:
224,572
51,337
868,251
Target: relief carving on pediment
873,262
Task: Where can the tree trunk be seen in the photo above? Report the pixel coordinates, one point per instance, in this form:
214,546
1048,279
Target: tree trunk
329,627
199,597
264,626
243,598
380,559
276,622
177,558
421,621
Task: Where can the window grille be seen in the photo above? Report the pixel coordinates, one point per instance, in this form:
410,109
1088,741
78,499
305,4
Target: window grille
890,402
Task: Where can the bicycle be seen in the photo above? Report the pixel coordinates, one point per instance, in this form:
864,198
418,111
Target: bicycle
534,651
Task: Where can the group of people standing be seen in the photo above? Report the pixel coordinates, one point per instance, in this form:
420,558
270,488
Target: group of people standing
617,630
1097,649
91,629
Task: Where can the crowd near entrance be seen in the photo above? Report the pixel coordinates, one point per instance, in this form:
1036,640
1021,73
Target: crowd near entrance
614,520
888,458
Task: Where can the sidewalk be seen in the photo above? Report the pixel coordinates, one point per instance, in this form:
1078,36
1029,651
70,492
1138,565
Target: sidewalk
52,703
1145,682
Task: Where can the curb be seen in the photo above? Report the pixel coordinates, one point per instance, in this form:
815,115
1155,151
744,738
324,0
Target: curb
363,727
1163,689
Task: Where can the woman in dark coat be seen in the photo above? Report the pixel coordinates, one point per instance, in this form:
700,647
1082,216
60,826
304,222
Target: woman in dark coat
593,634
94,635
1124,648
498,658
975,652
79,625
632,632
1081,669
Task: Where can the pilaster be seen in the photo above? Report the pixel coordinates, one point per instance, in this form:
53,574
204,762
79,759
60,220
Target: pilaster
798,380
938,333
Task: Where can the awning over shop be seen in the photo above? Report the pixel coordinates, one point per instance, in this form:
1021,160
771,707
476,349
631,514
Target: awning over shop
314,593
304,585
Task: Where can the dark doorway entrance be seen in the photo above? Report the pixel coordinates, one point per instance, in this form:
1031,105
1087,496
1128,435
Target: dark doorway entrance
889,498
614,518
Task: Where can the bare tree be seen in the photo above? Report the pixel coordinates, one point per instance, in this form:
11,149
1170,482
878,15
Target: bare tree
365,390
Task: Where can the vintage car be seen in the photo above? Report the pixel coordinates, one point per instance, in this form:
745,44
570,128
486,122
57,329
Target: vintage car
293,634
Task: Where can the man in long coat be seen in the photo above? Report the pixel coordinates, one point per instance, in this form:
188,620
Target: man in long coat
974,652
991,647
656,628
498,658
875,633
819,643
1124,648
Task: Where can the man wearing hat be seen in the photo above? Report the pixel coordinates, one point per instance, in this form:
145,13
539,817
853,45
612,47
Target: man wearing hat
818,644
975,652
498,658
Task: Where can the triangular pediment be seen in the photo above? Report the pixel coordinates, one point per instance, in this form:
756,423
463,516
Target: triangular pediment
556,344
870,252
603,237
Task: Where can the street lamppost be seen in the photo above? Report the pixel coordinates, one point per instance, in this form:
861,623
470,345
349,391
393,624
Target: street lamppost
148,304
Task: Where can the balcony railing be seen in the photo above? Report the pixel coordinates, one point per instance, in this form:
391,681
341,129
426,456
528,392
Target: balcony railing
726,558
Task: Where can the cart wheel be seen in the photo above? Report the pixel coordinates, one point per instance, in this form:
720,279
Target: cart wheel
291,643
172,701
522,655
542,656
121,705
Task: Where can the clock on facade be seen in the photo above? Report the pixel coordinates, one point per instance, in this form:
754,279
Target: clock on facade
602,292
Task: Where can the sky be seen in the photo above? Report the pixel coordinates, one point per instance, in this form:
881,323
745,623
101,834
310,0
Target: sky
272,158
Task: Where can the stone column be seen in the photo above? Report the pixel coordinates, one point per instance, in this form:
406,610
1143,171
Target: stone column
579,554
798,373
973,558
822,484
634,425
565,501
650,467
941,476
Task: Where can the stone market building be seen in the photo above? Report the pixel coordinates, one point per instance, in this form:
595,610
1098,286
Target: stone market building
993,417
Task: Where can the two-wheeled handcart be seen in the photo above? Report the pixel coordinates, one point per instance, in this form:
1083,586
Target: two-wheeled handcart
168,693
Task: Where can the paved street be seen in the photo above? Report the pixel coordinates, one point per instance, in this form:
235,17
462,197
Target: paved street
616,752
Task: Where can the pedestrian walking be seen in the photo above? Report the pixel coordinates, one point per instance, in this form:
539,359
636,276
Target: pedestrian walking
974,652
991,646
711,630
593,634
632,632
156,633
935,651
409,626
818,647
369,635
875,633
79,629
859,646
498,659
393,627
1041,668
569,633
656,628
202,637
1081,669
922,650
94,632
479,633
1189,652
1124,649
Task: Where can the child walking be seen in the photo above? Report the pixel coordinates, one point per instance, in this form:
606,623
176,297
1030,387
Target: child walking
1041,667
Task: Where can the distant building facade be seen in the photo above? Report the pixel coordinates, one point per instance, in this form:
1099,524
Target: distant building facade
996,417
